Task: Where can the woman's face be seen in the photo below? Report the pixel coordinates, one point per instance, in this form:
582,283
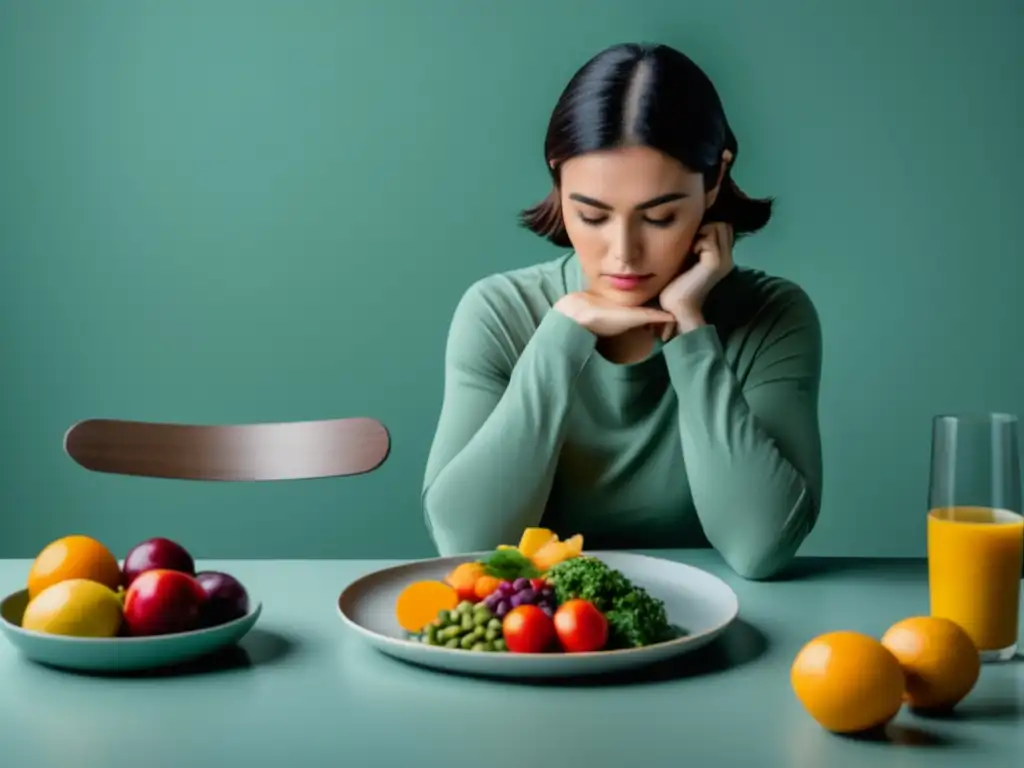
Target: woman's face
631,214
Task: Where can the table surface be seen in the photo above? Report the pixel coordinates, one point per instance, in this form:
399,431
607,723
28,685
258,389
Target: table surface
303,691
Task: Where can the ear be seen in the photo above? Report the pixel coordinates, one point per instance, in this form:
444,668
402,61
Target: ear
723,169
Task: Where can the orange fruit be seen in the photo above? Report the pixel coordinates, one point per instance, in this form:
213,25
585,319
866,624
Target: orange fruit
939,661
848,682
464,577
73,557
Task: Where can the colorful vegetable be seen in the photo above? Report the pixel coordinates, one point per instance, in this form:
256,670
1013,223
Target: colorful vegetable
421,602
635,618
533,539
527,629
467,627
486,585
580,627
509,565
464,577
555,552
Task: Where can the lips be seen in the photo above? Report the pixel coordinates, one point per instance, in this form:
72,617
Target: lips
627,282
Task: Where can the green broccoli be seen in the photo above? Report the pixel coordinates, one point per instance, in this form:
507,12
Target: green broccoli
635,618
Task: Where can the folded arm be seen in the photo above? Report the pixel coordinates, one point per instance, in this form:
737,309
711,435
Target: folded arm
507,391
753,450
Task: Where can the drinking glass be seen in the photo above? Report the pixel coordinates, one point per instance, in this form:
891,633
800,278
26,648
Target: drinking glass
975,529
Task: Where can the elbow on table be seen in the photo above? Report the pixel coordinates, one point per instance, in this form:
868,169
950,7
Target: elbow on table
449,536
764,560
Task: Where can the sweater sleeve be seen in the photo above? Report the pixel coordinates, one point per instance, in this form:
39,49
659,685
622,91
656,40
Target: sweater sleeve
501,426
753,450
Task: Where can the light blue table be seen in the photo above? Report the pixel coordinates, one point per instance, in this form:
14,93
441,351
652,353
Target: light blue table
310,694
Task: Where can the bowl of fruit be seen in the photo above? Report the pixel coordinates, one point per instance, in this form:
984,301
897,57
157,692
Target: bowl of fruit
81,609
542,608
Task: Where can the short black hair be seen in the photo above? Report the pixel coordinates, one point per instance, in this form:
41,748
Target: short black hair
649,95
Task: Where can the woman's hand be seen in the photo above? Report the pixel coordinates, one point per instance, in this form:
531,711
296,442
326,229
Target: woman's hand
606,318
684,297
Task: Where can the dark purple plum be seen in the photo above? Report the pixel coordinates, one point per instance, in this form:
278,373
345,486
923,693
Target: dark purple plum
226,598
156,553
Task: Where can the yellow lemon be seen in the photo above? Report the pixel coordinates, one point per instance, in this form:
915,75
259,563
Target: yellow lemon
74,607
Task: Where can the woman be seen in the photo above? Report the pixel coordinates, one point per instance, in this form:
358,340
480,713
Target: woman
640,390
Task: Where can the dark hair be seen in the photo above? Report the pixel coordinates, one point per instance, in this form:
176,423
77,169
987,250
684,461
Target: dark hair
650,95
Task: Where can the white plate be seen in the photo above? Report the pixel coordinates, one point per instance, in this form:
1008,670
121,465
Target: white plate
695,600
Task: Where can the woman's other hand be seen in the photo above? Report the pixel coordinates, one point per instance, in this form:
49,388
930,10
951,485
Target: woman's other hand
604,318
684,296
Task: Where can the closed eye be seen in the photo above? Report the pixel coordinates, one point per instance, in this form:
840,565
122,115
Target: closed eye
664,221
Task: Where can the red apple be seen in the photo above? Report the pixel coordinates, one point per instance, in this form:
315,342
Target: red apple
157,553
161,602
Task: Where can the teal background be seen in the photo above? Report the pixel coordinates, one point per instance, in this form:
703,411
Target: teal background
260,211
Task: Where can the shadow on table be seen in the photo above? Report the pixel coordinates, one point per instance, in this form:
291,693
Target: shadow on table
812,568
260,647
903,735
741,643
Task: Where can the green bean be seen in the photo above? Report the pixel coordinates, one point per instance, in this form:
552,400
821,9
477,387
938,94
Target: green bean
453,643
449,633
491,635
467,622
499,645
467,642
465,606
481,647
494,624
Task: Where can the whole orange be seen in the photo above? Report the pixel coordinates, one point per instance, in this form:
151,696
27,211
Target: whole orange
939,661
847,681
73,557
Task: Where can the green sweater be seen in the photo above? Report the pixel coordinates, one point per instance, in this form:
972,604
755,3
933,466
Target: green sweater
712,440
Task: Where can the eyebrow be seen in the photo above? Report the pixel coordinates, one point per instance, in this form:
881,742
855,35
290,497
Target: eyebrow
652,203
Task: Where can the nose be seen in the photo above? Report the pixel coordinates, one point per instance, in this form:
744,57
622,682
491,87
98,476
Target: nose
624,247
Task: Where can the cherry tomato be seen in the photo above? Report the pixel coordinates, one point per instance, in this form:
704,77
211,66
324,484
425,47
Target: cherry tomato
580,626
527,629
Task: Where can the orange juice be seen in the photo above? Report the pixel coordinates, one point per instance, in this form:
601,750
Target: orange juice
975,555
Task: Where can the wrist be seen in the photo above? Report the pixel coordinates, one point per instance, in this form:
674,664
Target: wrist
689,320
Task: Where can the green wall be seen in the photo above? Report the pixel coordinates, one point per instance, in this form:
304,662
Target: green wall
258,211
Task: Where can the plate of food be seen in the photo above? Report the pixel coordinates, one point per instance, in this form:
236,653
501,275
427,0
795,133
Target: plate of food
542,608
83,610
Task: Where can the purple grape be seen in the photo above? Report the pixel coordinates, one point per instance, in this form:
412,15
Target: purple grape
491,601
547,593
501,609
505,588
520,584
516,600
548,610
527,595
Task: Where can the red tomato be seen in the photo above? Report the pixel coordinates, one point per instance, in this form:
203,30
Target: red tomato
527,629
538,584
580,626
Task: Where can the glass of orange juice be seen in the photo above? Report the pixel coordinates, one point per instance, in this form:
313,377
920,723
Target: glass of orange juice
975,529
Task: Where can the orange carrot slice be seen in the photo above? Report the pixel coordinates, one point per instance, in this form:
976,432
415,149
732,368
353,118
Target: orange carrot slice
463,579
485,585
420,602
